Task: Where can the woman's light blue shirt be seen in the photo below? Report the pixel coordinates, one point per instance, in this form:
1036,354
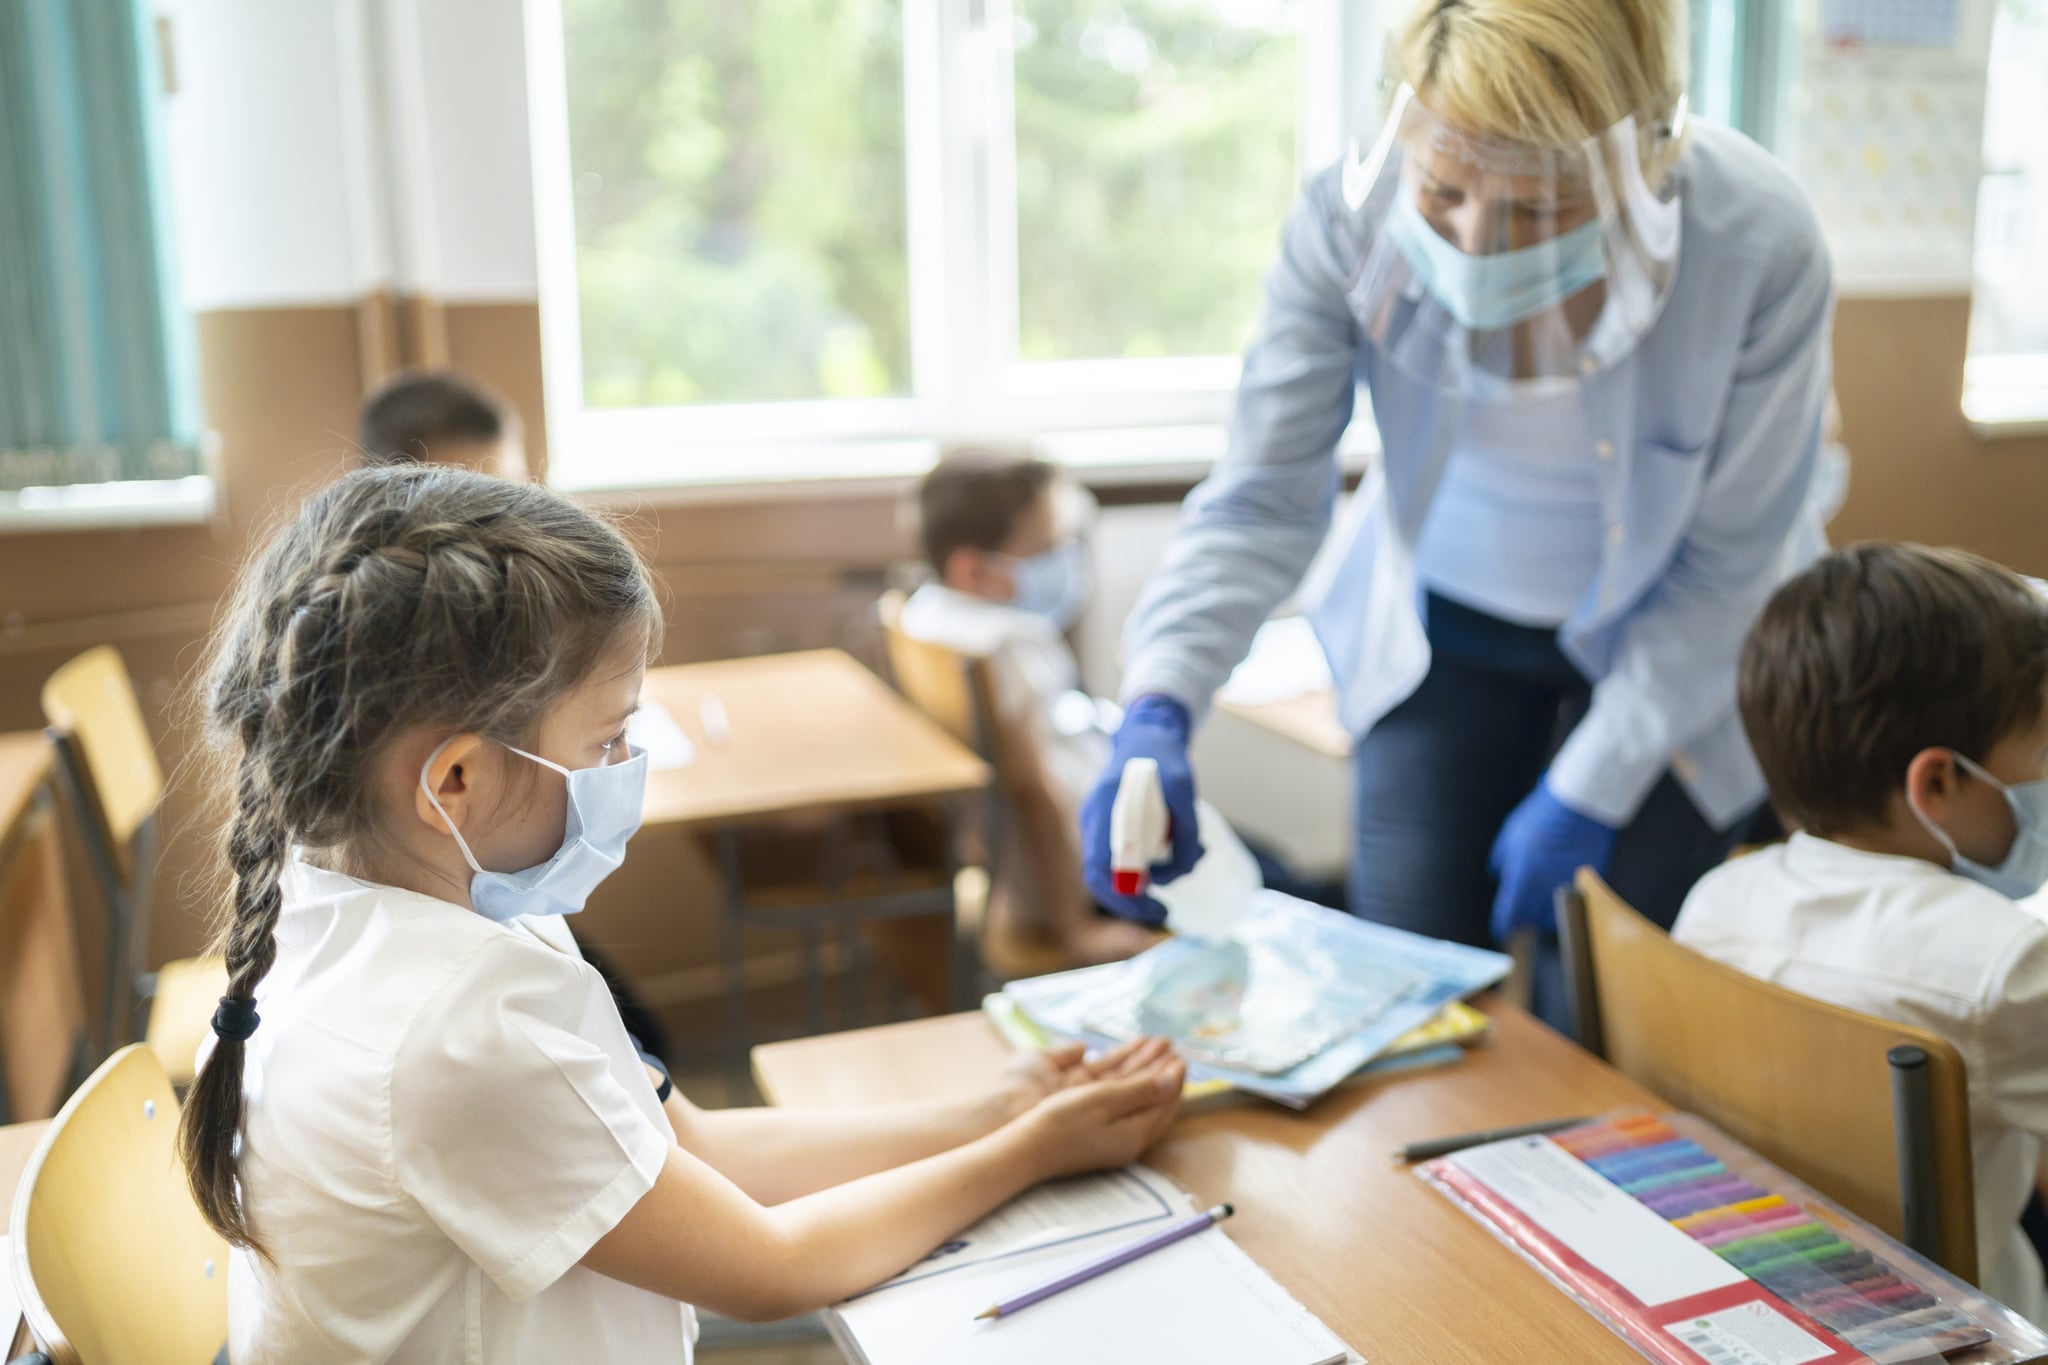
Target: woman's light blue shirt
1531,465
1706,438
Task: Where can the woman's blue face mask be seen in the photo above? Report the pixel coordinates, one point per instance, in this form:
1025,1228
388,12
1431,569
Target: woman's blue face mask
1486,293
604,808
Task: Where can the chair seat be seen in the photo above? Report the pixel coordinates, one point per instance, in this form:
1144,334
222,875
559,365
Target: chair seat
181,1012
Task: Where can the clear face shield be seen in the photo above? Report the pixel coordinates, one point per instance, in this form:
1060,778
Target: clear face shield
1493,268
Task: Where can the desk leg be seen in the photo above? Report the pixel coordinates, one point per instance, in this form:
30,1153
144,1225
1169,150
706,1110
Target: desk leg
960,963
732,905
814,979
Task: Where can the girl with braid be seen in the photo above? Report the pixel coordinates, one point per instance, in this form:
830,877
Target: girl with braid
422,1125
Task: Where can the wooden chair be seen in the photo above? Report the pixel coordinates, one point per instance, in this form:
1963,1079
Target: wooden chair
957,691
116,788
109,1256
45,1037
1873,1114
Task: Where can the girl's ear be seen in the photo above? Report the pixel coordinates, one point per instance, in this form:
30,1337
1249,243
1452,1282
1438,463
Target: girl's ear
1931,779
447,779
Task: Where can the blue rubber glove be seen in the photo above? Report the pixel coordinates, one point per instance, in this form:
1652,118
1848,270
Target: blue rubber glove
1542,845
1155,727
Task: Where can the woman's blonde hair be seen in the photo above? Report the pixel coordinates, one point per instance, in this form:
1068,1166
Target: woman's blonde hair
1548,72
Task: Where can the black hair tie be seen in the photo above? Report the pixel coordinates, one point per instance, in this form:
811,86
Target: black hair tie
236,1019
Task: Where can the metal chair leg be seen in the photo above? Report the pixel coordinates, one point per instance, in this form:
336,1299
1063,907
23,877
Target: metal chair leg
1913,1130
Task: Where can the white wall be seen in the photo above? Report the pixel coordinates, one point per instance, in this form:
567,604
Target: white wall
254,142
478,152
320,149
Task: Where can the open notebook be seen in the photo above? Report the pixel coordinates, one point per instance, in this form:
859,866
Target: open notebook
1200,1301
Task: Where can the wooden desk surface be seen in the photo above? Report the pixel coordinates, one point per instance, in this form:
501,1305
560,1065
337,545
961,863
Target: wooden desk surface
1309,720
809,731
25,759
1392,1266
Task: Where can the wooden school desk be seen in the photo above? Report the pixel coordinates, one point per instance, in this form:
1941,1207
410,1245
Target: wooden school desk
1280,772
1392,1266
808,733
1309,720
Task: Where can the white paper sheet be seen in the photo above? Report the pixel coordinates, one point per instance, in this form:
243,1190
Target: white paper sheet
667,744
1201,1301
1130,1203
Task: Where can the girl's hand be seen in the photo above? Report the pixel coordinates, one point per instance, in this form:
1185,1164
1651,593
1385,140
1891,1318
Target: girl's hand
1029,1077
1110,1120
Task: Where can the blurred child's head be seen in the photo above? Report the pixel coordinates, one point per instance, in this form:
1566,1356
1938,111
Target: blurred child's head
1893,694
439,417
400,636
994,526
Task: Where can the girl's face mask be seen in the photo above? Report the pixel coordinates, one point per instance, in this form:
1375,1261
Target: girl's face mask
603,812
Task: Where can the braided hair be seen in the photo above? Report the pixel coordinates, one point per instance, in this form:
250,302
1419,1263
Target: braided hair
399,598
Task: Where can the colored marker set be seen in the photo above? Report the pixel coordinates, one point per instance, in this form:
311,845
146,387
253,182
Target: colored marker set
1697,1251
1780,1244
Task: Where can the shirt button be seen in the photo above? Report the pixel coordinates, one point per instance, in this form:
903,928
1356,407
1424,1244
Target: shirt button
1614,534
1604,449
1588,365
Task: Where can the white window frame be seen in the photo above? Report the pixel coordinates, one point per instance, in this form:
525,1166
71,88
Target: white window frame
2005,394
965,378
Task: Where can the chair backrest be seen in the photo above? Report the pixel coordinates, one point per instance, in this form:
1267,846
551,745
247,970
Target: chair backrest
953,689
1804,1083
110,1258
110,769
44,1030
91,708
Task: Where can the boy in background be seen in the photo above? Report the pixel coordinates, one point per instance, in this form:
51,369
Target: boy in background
1001,531
440,417
1897,700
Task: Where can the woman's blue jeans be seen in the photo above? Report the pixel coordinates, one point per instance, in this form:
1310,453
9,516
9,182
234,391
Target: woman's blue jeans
1437,776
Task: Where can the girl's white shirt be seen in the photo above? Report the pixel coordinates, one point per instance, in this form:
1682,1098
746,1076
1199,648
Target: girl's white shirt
444,1115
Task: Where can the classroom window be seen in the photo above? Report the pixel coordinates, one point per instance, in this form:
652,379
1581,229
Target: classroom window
1154,155
97,382
2008,378
738,177
804,237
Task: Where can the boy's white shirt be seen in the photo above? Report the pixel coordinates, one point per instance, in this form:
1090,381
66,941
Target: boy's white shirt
1909,941
444,1115
1031,668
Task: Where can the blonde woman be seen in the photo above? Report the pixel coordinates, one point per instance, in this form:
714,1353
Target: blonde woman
1594,331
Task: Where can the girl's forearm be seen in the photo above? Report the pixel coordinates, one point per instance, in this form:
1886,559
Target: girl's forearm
776,1155
696,1237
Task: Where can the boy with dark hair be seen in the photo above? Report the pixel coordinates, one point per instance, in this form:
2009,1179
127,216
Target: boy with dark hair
440,417
1897,700
1001,531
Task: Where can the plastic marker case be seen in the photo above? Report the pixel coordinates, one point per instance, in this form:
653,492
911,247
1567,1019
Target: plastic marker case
1697,1251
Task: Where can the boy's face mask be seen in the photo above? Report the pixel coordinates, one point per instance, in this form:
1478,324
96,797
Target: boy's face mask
2024,869
1053,584
603,812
